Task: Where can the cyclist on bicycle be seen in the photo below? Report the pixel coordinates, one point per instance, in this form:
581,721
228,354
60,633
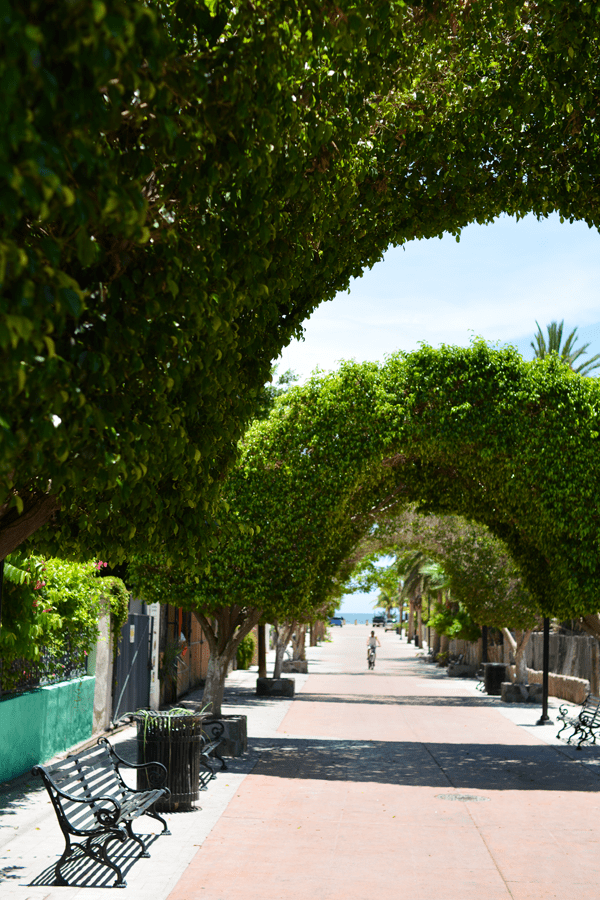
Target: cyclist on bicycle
372,644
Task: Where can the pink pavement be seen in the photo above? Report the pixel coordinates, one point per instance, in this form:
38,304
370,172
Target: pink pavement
401,783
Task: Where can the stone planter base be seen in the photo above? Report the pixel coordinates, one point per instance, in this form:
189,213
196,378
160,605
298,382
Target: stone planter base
234,741
521,693
461,670
275,687
295,665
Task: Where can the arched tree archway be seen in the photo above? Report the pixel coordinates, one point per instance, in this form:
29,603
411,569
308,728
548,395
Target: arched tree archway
476,432
137,324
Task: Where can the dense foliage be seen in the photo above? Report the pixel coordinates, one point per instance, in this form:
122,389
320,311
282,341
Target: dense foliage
52,606
474,432
184,181
478,570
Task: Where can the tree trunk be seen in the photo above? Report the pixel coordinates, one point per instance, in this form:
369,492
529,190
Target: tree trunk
15,528
262,651
518,645
214,686
283,634
279,651
411,619
224,633
298,644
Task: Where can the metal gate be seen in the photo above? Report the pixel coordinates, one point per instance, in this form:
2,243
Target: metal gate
133,664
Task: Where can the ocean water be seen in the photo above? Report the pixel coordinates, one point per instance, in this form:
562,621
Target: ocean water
361,618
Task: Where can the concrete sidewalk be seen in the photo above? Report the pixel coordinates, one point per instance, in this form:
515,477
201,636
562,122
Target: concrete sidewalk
31,841
398,782
403,783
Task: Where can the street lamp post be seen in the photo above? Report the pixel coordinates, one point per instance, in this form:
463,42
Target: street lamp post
545,718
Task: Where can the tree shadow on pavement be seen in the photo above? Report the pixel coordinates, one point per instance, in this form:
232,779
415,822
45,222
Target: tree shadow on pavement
480,767
404,700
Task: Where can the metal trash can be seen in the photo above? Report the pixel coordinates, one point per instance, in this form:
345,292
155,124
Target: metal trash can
493,676
175,740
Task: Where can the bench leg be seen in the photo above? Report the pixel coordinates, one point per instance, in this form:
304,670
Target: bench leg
135,837
66,854
97,853
560,731
102,857
154,815
222,761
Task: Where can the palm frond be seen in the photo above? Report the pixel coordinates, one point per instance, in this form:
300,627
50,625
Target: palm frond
568,352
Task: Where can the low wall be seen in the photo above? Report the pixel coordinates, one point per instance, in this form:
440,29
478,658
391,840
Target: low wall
473,651
565,687
37,725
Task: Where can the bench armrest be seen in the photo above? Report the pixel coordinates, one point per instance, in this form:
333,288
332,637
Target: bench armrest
106,817
156,772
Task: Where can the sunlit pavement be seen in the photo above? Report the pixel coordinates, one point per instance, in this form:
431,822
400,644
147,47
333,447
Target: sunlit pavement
402,782
396,783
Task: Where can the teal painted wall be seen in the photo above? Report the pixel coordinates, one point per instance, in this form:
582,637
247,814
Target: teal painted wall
36,726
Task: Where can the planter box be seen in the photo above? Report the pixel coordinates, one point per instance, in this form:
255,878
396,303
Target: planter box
275,687
295,665
461,670
234,741
521,693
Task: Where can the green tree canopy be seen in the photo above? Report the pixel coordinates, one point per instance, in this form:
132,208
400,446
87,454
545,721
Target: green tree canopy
183,182
477,433
478,568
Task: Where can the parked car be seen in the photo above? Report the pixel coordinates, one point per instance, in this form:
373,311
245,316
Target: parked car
391,623
336,620
379,619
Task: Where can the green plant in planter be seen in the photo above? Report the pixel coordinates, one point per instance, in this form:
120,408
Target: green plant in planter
167,670
150,715
245,652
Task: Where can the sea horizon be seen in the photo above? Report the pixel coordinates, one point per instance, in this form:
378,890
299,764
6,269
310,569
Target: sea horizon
360,618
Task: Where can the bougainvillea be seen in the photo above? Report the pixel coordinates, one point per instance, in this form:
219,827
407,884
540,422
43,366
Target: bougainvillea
52,606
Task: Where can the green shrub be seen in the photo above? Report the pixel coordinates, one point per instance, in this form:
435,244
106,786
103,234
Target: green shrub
245,652
52,605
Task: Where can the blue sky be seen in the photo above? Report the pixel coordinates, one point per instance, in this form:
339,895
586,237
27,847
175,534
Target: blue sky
495,283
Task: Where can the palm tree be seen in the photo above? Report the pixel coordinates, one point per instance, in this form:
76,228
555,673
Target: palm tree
422,579
568,353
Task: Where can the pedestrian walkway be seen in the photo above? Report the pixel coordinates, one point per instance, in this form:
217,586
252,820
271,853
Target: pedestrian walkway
399,782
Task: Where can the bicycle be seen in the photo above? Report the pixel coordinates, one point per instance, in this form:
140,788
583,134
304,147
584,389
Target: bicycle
371,658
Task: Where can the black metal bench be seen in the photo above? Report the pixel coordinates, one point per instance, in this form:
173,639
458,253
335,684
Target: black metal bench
584,724
93,803
212,761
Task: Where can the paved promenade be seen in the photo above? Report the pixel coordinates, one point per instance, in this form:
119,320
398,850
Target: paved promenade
397,783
